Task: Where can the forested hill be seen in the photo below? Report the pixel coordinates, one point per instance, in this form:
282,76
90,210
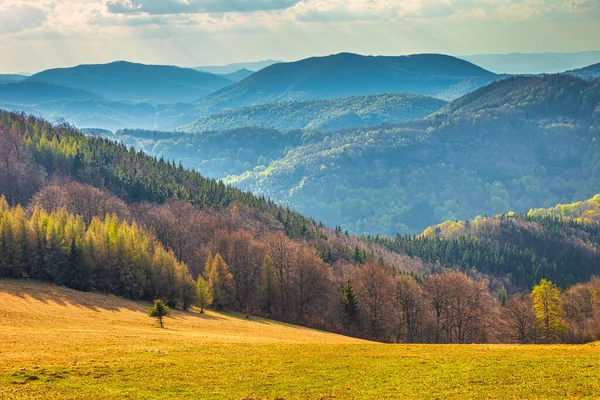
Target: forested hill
513,145
561,243
589,72
136,82
345,74
335,114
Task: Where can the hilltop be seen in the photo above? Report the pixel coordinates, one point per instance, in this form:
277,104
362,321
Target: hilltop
346,74
135,82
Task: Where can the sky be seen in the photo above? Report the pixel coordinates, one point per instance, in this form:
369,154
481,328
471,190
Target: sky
41,34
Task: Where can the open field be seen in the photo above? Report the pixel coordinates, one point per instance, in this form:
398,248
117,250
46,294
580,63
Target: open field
61,344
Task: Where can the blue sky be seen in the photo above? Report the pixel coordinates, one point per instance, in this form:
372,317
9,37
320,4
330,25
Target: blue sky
40,34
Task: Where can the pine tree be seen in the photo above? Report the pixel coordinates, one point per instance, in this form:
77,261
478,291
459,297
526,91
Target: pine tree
549,315
350,304
203,297
159,311
76,274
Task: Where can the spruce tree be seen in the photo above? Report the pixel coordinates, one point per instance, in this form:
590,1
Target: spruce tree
350,304
159,311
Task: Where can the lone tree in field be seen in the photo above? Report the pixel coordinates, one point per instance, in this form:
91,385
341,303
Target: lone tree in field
549,315
158,311
203,294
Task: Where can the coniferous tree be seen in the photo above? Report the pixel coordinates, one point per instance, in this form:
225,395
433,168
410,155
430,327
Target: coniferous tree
159,311
220,281
350,304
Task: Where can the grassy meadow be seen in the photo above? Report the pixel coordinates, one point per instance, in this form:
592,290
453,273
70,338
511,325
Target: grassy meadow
62,344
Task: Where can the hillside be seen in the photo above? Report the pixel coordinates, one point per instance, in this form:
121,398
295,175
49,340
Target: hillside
232,68
31,93
60,343
11,78
561,243
135,82
237,75
322,114
591,71
106,114
345,75
513,145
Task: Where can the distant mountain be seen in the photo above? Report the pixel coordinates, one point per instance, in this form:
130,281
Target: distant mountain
533,63
238,75
11,78
105,114
136,82
591,71
512,145
31,92
231,68
323,114
344,75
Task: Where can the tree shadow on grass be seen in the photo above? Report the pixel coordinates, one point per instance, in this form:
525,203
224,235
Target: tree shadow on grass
48,293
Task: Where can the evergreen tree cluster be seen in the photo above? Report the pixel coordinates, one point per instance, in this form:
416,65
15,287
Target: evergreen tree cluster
108,255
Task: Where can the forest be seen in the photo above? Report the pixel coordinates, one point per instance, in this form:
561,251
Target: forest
90,214
348,112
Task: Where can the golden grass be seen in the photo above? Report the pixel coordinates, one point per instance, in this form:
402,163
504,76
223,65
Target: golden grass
62,344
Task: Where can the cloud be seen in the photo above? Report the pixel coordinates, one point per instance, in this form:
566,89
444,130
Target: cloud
20,17
159,7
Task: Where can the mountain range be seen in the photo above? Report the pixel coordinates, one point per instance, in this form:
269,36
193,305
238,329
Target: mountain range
232,68
345,74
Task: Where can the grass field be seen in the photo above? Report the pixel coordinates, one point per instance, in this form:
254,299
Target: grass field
61,344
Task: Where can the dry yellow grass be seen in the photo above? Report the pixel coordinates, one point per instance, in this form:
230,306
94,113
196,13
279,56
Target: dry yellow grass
62,344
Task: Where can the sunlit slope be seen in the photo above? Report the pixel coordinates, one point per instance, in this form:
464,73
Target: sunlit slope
62,344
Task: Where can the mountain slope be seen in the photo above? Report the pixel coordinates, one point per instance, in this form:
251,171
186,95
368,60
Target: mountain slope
237,75
232,68
591,71
541,243
513,145
106,114
344,75
322,114
136,82
31,93
11,78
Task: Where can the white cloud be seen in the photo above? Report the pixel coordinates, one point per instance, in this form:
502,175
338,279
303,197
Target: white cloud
20,17
195,6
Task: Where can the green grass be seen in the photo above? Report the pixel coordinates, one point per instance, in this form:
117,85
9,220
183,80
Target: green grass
62,344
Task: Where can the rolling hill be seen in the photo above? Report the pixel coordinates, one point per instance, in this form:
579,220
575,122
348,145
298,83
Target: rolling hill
106,114
591,71
32,92
322,114
345,75
232,68
11,78
136,82
237,75
513,145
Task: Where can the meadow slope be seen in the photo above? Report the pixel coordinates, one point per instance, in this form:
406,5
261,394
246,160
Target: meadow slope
62,344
